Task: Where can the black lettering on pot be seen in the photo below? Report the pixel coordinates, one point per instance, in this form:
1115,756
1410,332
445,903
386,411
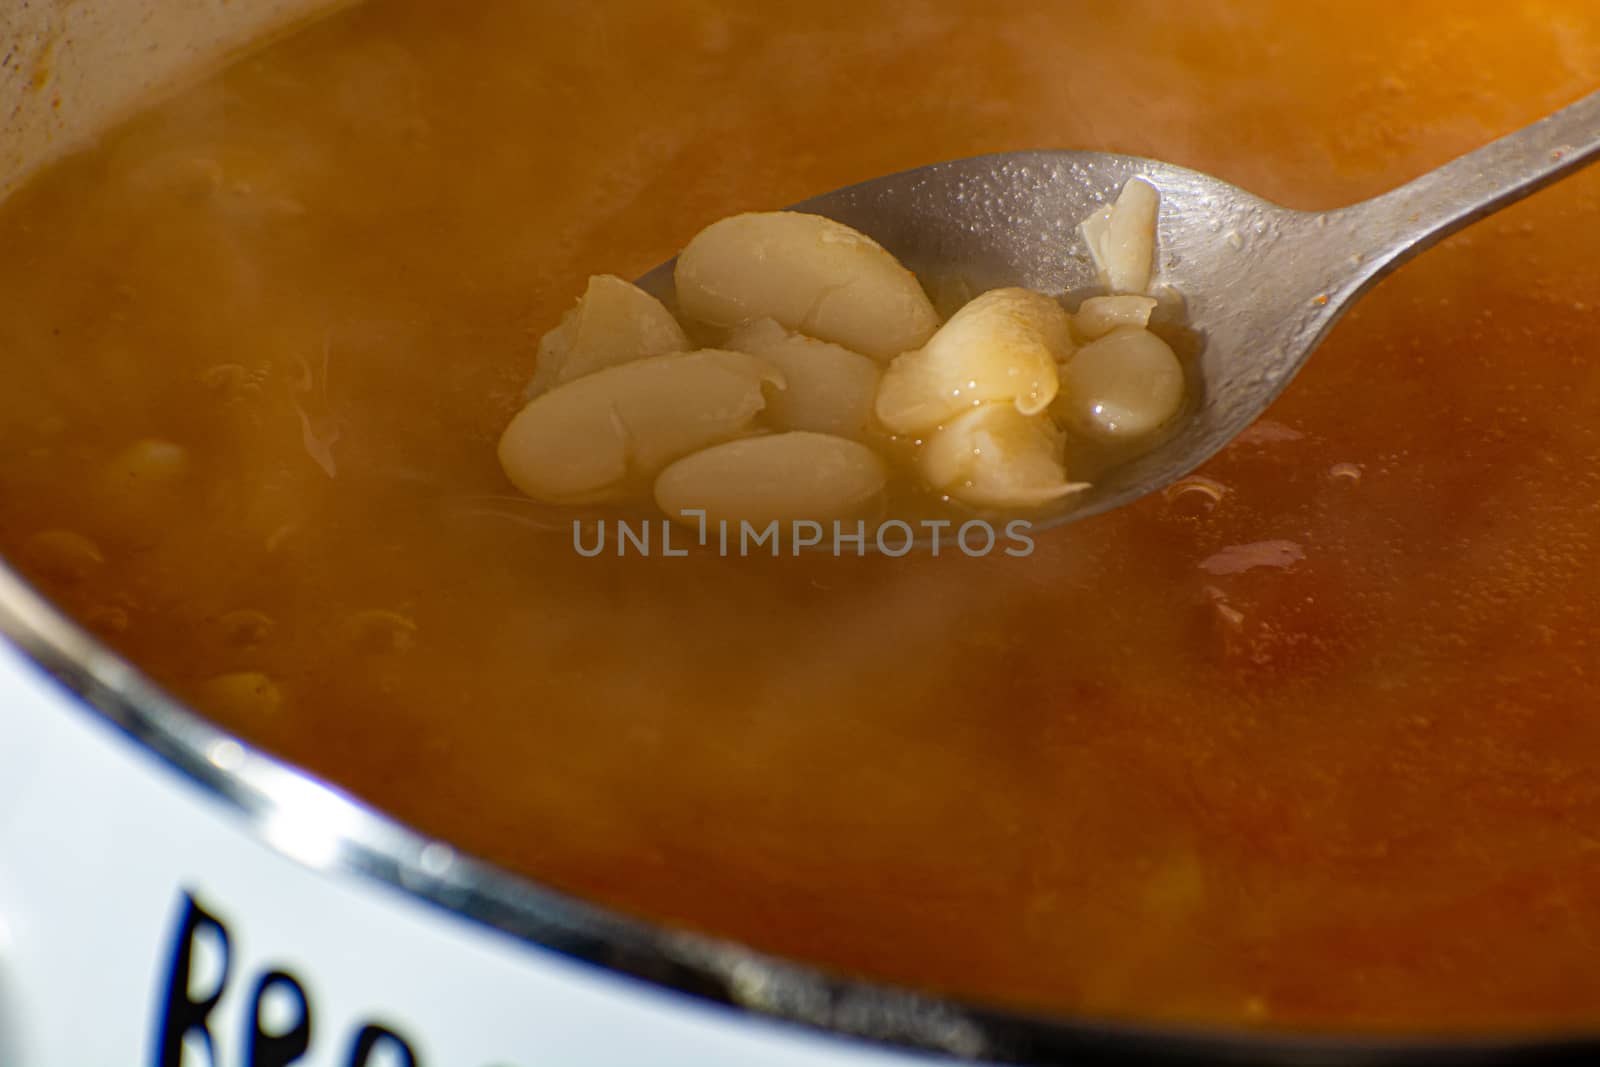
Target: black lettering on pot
183,1015
269,1042
372,1040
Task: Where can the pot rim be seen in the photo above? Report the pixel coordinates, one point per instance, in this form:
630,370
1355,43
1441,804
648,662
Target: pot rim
279,804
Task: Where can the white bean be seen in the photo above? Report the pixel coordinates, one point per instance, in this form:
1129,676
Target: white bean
811,274
830,389
1122,386
583,441
248,695
146,466
1099,315
1122,238
63,554
144,482
995,456
1002,346
1094,228
780,477
614,322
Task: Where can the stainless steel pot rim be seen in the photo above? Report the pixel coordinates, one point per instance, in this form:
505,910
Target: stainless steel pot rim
358,841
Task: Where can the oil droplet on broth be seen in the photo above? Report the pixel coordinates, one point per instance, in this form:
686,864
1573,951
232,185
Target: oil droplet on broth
1345,473
1194,496
107,619
244,627
379,631
1236,559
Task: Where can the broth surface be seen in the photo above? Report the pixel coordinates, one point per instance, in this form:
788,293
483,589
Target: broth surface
1347,777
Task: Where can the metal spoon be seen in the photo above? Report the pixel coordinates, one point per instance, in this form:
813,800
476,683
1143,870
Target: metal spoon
1262,284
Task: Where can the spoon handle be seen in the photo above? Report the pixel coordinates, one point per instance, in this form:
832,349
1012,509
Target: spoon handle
1413,218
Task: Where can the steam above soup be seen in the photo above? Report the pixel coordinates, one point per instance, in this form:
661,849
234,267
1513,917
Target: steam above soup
1305,742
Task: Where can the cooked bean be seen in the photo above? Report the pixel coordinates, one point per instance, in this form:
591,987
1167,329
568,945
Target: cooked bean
1122,238
147,465
995,456
64,555
1099,315
1002,346
782,477
585,440
1124,385
830,389
809,273
614,322
248,696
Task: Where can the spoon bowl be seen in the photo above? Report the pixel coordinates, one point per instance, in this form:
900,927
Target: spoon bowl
1261,284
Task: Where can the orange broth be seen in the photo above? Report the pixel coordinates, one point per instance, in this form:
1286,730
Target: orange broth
1356,785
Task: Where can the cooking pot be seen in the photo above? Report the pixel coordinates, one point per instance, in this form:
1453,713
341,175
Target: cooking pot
170,895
